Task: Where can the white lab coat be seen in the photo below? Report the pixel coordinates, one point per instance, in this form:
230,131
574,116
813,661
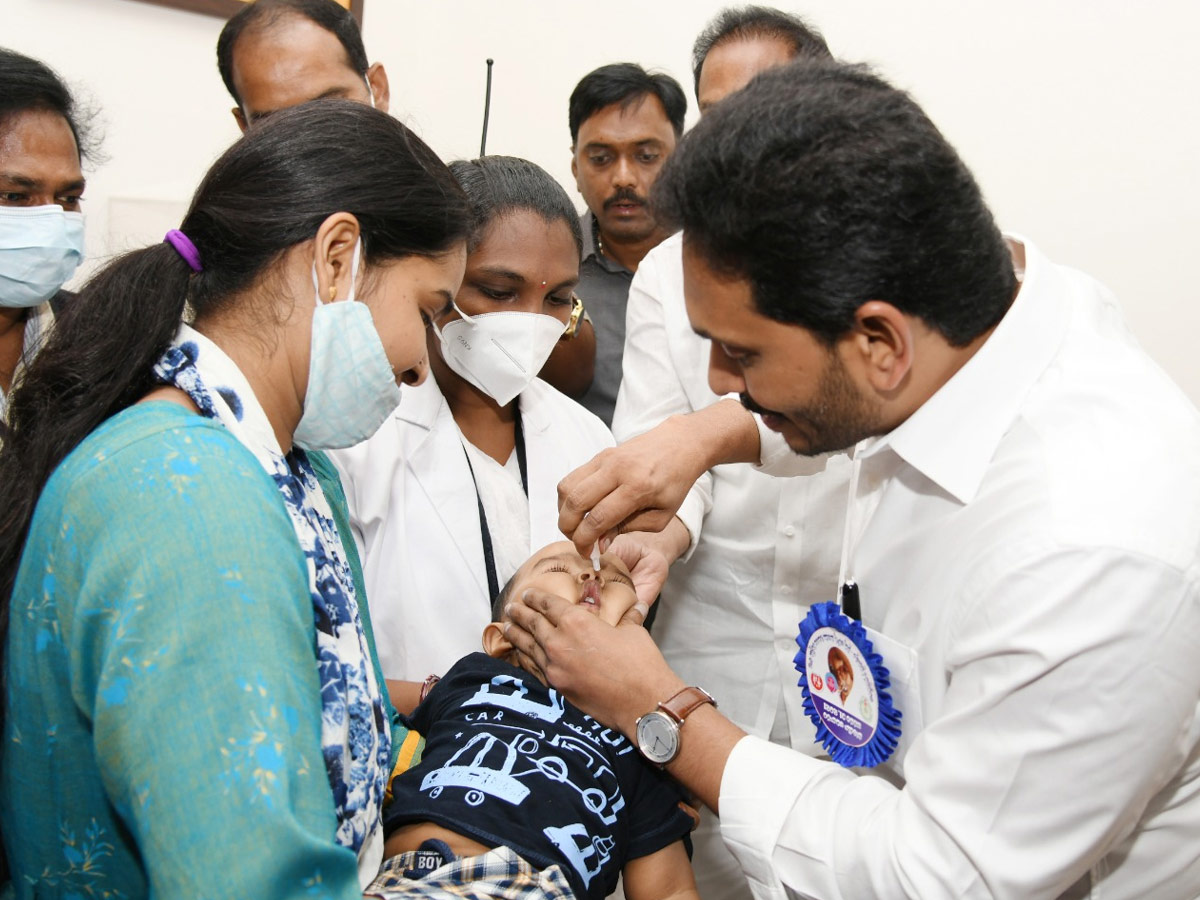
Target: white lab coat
415,517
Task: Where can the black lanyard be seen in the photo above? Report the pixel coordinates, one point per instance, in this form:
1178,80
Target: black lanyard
489,554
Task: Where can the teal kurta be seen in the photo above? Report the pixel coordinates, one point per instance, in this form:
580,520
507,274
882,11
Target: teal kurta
163,724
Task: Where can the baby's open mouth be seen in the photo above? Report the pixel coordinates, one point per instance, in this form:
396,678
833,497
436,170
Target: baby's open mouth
590,596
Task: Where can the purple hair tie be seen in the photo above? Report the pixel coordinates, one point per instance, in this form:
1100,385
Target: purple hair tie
184,247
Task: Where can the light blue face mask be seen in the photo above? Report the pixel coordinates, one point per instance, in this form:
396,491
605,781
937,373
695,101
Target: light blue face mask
40,248
351,387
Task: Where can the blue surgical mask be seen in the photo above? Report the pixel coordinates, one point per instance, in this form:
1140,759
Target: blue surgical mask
351,387
40,248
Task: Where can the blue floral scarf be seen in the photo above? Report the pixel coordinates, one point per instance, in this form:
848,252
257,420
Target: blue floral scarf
355,739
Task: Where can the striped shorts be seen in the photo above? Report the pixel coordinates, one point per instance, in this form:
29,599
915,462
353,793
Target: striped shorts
498,874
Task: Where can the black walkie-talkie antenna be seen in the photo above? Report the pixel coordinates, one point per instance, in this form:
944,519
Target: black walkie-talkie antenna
487,108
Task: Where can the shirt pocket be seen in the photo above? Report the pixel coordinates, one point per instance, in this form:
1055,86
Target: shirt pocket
904,671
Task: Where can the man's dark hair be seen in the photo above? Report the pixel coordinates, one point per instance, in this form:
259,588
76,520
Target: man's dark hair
825,187
740,23
27,84
263,15
497,185
626,84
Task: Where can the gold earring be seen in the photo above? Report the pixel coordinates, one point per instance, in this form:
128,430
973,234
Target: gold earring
332,292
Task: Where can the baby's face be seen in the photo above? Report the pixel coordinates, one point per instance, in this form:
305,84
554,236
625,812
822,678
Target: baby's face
559,569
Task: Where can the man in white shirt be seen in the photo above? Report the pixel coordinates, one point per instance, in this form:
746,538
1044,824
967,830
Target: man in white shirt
754,551
1024,526
624,123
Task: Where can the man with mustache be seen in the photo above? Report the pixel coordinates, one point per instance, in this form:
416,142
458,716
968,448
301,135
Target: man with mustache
624,124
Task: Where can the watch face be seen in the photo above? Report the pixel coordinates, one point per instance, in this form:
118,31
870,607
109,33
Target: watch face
658,737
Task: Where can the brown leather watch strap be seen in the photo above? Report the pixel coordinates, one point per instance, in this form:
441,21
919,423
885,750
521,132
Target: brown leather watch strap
686,702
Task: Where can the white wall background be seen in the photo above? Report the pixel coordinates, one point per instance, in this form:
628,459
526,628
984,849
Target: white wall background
1080,118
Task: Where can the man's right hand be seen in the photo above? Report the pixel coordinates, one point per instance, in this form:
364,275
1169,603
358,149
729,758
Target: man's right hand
639,485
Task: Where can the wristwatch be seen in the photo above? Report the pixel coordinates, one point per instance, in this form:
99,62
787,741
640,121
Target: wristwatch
658,730
577,313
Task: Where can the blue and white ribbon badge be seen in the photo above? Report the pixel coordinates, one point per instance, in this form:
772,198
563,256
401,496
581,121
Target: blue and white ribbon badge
845,688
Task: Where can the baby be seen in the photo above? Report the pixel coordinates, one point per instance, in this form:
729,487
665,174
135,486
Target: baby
517,785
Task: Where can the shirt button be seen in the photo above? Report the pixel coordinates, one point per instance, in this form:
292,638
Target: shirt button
786,590
789,532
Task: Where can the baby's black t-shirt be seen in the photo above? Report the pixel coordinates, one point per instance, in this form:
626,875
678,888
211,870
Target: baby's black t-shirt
508,761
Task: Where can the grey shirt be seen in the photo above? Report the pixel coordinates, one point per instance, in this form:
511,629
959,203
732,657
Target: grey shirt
604,289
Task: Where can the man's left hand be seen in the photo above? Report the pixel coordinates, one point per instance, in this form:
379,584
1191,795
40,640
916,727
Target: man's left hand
612,674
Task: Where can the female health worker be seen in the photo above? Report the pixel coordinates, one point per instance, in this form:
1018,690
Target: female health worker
41,226
191,703
459,486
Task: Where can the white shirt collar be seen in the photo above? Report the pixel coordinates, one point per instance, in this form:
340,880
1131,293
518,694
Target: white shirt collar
981,400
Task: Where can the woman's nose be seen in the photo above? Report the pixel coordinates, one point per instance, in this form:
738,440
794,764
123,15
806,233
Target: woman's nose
416,374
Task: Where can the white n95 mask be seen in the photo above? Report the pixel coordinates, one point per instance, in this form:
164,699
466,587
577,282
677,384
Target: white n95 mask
499,352
351,387
40,248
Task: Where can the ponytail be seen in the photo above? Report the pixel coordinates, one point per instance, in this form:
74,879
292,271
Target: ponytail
269,192
96,362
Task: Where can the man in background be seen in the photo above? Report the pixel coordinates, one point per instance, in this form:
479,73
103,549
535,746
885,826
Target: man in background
279,53
624,124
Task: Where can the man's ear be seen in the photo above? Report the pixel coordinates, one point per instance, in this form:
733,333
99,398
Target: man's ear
882,339
378,80
495,643
240,118
333,249
575,169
